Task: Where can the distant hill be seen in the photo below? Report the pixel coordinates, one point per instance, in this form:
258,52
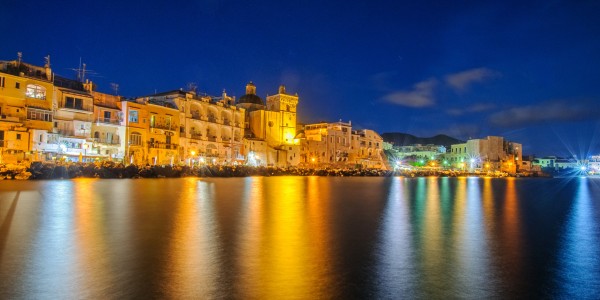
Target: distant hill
405,139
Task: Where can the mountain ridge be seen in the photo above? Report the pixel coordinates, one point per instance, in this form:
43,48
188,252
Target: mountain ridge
405,139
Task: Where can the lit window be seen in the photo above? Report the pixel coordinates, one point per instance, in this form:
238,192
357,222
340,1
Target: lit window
36,91
133,116
135,139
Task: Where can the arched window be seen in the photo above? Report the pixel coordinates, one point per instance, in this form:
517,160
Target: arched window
36,91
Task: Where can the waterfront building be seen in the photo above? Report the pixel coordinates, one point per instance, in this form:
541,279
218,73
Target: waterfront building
594,164
135,120
489,153
273,124
337,145
73,114
210,128
547,162
163,127
26,99
108,133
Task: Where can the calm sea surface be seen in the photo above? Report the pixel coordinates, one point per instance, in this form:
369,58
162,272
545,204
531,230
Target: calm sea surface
300,238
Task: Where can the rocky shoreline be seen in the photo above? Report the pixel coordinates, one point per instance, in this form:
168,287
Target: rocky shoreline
61,170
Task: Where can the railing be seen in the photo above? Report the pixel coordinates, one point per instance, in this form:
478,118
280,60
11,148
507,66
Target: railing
11,118
196,116
112,121
196,136
226,122
212,138
161,126
212,119
161,145
82,107
113,141
66,132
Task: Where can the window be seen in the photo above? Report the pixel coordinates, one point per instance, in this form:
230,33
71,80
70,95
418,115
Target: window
135,139
36,91
41,115
75,103
2,81
152,121
133,116
107,116
18,136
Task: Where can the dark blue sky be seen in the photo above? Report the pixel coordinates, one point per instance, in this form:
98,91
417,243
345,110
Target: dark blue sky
526,70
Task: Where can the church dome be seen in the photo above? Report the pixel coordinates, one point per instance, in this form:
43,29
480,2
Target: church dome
251,97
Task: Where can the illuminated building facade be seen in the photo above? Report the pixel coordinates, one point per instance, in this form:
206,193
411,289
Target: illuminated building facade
210,129
108,134
336,145
490,153
273,124
26,98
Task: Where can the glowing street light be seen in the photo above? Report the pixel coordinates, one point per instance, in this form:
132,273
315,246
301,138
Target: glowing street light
85,146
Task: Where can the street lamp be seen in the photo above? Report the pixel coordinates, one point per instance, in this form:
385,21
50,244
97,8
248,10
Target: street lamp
85,146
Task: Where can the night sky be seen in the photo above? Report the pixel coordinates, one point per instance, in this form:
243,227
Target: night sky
526,70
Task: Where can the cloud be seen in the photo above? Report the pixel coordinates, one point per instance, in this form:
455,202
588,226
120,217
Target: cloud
462,80
422,95
475,108
551,111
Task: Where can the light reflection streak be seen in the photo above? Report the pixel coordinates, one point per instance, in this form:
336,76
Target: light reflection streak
194,266
474,260
579,256
398,273
52,273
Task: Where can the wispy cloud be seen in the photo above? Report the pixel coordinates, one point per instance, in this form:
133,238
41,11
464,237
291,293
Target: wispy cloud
422,95
461,81
552,111
475,108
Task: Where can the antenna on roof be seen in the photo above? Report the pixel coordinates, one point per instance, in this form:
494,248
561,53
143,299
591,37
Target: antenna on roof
81,71
19,58
115,87
47,61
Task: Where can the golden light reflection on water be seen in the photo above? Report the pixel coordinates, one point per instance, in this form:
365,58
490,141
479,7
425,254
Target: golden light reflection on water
194,264
90,237
282,262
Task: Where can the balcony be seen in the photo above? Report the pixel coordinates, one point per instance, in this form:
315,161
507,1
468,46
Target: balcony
212,119
109,121
162,126
6,118
226,122
77,106
196,116
113,141
212,138
196,135
161,145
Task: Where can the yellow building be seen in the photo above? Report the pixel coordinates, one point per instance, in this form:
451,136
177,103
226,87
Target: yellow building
273,123
26,95
211,128
163,130
135,121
